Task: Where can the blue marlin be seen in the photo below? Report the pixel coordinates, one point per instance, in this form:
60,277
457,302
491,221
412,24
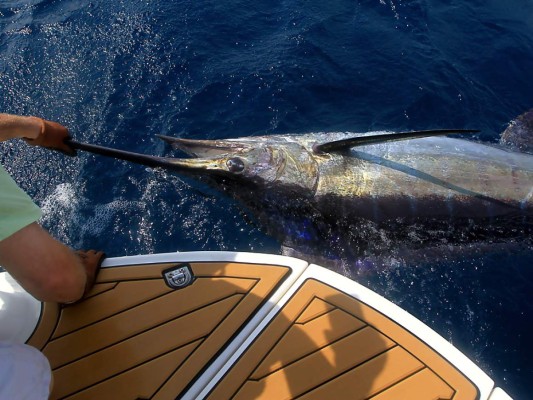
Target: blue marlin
346,195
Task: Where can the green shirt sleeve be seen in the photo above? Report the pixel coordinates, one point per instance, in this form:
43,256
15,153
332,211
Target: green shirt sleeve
17,209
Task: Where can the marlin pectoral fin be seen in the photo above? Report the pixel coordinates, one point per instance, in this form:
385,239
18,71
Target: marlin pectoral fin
344,144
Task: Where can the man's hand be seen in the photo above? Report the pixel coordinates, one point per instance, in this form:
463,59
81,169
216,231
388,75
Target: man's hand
52,136
91,260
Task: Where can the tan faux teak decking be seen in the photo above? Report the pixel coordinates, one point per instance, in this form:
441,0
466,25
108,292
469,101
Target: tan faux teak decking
135,338
327,345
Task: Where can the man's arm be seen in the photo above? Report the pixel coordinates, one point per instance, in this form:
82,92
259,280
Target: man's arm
46,268
15,126
36,132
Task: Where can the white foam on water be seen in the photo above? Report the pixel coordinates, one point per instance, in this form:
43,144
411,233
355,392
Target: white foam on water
75,220
60,210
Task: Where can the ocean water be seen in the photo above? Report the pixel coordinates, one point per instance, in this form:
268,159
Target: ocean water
117,72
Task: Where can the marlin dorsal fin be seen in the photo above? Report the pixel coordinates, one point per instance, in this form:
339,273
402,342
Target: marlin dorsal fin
343,144
519,134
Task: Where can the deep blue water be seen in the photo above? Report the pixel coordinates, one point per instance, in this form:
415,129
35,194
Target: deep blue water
117,72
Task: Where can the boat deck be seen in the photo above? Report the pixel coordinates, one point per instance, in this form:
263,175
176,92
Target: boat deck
244,330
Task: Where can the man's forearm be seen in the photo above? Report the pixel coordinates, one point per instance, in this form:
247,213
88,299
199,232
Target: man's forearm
46,268
14,126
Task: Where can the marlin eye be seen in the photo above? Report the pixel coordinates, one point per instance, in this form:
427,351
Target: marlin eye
235,165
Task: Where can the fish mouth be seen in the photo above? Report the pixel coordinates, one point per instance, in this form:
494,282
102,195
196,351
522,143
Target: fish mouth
206,148
213,156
